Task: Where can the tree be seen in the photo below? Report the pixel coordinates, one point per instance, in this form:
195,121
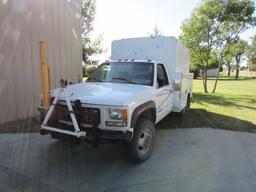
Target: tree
89,47
236,17
212,27
196,36
238,50
251,54
87,16
228,58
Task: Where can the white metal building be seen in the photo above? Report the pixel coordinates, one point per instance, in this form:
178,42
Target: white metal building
23,23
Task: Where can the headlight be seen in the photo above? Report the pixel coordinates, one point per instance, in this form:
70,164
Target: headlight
118,114
115,114
119,117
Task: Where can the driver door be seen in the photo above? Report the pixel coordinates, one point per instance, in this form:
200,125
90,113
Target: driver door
164,93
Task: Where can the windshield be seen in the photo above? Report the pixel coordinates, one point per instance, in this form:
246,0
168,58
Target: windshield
125,72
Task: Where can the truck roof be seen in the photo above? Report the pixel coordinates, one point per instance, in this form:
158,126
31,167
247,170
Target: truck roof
166,50
132,60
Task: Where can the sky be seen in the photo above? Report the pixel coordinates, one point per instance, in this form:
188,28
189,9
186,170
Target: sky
117,19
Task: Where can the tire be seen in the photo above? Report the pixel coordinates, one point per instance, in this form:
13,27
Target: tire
188,103
187,107
142,143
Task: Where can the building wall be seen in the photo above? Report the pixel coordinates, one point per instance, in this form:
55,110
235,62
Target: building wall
23,23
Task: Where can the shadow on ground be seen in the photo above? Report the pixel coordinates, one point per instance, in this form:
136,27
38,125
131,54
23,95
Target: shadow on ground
202,118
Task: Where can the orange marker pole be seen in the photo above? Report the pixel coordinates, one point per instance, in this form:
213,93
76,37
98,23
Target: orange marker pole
45,77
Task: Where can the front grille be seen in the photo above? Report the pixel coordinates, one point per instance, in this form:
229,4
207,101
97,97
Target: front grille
89,116
83,115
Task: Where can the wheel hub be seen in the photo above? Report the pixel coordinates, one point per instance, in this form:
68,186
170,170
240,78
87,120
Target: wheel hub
145,141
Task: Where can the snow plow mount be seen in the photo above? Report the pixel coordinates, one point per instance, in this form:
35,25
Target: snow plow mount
78,133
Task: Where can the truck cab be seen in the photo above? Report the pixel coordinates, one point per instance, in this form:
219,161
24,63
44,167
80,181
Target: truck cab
121,102
139,82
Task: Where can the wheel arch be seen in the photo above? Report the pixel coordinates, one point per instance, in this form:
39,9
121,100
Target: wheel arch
146,110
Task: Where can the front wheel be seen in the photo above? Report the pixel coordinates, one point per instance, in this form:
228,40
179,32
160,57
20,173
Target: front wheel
142,143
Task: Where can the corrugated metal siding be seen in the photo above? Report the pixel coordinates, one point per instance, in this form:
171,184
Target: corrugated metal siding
23,23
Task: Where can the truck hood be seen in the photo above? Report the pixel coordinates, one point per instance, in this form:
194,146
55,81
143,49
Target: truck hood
102,93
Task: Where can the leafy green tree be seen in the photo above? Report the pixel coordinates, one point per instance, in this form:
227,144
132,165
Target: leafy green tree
228,58
196,36
212,27
238,51
87,16
251,54
89,47
237,16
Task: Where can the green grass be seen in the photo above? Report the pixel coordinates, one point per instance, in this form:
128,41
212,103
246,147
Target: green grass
232,107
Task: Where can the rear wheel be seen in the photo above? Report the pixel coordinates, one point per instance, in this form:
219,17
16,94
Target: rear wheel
187,107
142,143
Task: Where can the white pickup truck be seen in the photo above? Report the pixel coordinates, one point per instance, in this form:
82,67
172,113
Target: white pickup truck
145,80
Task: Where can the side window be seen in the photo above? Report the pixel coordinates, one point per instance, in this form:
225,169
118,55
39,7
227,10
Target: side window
162,79
103,73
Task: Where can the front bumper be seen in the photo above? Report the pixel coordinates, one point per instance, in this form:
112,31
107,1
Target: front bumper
77,121
93,134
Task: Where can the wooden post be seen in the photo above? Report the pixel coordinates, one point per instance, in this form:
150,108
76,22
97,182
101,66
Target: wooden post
45,77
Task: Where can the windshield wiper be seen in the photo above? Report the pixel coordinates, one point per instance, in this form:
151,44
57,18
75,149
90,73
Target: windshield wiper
124,79
94,79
